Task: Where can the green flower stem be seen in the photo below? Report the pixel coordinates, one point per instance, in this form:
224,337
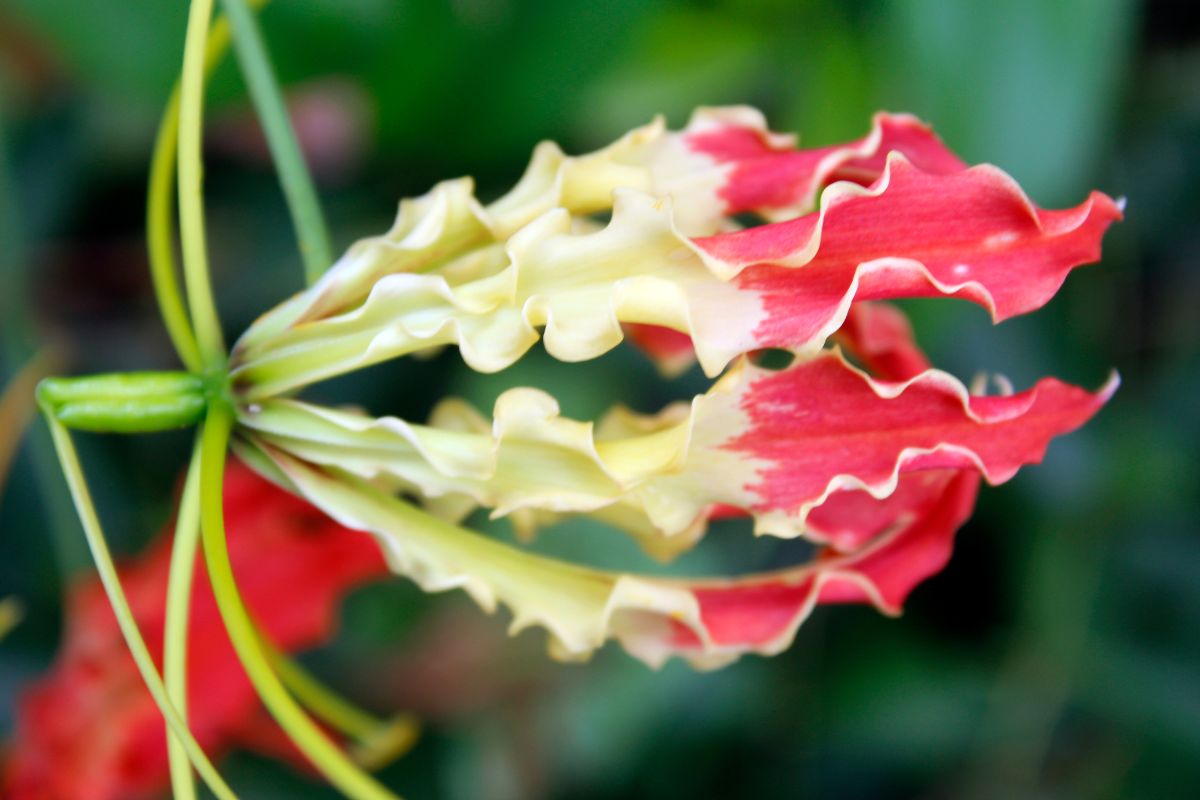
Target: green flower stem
160,230
179,596
386,743
311,230
326,705
323,753
94,534
378,741
191,199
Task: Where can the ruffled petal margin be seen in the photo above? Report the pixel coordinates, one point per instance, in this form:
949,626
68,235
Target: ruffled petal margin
775,444
971,234
708,622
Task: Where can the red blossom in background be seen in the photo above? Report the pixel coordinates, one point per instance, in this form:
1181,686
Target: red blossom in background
89,730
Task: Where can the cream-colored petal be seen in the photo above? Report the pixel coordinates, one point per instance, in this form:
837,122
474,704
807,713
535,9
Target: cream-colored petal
653,618
578,287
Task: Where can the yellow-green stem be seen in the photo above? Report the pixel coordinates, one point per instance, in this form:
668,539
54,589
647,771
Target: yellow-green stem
326,705
69,460
377,741
160,229
175,629
312,742
312,234
191,199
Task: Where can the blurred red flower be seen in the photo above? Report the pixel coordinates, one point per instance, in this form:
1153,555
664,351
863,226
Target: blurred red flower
89,730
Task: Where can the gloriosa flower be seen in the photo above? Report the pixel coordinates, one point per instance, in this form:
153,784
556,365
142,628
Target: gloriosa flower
857,444
876,460
89,729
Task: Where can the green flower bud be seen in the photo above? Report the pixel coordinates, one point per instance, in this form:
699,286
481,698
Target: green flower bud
130,402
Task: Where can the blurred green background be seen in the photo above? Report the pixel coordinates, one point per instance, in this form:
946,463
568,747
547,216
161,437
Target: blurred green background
1058,654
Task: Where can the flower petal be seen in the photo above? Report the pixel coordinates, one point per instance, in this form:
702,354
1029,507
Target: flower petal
762,614
880,336
670,350
850,518
709,622
776,444
770,176
971,234
822,425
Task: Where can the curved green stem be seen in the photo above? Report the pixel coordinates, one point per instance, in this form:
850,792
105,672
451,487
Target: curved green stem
191,199
160,230
179,596
107,571
312,742
326,705
311,230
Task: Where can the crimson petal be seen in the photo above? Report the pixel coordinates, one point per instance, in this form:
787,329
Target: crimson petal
768,174
971,234
822,424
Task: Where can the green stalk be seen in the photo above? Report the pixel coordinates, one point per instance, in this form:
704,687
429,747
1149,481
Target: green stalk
179,596
191,197
311,230
312,742
328,706
378,741
69,460
160,230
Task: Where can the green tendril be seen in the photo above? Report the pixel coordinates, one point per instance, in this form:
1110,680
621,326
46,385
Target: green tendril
378,741
94,533
179,597
312,233
160,230
191,198
334,764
